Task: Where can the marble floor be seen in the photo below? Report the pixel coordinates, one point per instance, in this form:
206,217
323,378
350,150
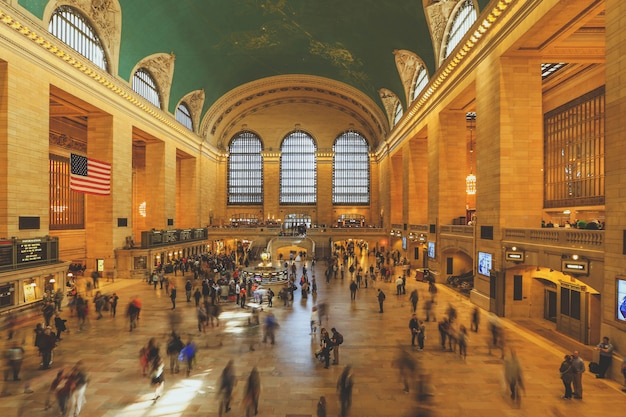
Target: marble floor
292,380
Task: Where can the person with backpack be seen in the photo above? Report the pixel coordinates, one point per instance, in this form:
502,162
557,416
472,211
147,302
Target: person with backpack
337,339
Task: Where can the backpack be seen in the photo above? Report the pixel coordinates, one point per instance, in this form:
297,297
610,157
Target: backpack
339,338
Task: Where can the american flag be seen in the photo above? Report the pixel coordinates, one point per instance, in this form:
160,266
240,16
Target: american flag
89,176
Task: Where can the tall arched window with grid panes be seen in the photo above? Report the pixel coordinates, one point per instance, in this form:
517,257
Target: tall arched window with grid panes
351,170
70,26
245,169
463,19
183,116
145,85
298,169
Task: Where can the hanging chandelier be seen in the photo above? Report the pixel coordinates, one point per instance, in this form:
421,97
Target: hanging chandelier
470,184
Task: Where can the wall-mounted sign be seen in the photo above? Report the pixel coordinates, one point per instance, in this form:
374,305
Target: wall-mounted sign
578,267
514,256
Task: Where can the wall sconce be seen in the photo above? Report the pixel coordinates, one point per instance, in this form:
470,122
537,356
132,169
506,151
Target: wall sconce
52,281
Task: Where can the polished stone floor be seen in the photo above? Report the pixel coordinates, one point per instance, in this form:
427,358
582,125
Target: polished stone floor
292,381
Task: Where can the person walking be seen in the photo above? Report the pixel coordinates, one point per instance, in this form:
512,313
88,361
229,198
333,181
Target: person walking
345,383
406,366
567,376
174,346
381,300
475,319
157,376
79,381
188,288
579,366
321,407
252,392
227,385
414,297
270,327
173,297
513,375
606,356
59,325
353,288
14,356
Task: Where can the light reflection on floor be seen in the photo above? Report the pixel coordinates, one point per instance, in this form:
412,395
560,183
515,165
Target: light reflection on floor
173,401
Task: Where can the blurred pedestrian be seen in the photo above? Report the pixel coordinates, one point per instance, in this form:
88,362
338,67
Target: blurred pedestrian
406,366
513,375
321,407
475,319
345,383
270,327
252,392
157,376
173,297
79,380
174,346
227,385
14,355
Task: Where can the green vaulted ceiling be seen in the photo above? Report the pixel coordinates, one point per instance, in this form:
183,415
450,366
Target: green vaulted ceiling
222,44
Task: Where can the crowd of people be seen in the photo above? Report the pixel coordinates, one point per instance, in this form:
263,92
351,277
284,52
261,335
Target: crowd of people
181,353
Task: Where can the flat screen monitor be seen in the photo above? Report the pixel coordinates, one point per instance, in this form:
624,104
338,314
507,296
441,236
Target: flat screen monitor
621,299
484,263
403,243
431,250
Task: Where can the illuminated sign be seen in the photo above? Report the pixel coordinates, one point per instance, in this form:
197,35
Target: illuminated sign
514,256
579,267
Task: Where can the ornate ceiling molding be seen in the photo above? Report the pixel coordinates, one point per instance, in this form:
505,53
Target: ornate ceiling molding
390,101
407,63
233,107
438,14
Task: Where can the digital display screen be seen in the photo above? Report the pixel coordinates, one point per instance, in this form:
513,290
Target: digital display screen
431,250
484,263
621,299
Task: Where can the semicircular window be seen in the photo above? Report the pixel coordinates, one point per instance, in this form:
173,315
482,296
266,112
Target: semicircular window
462,22
183,116
145,85
70,26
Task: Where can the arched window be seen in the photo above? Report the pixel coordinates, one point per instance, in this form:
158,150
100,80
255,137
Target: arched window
298,169
461,23
69,25
351,169
245,169
421,80
183,116
398,111
145,85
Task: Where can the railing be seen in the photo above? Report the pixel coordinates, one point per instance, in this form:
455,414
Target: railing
569,238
